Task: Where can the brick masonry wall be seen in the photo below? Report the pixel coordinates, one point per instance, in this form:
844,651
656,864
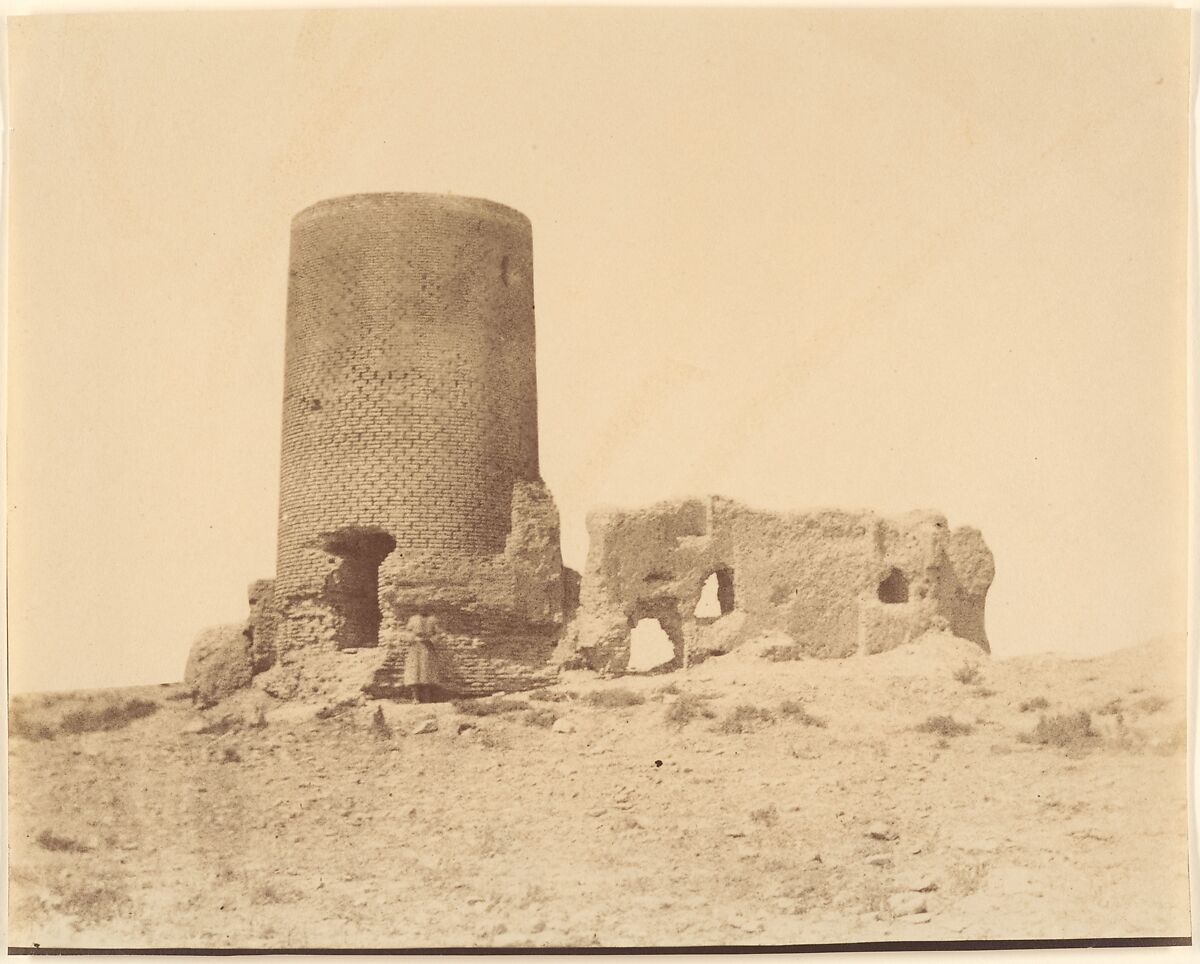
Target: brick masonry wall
410,399
470,666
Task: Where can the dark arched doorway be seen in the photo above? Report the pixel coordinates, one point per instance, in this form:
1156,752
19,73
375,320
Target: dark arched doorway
352,589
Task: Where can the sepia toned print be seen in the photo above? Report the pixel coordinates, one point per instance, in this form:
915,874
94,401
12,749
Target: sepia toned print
485,680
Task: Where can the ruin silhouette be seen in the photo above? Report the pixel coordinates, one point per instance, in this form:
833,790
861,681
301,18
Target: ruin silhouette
410,488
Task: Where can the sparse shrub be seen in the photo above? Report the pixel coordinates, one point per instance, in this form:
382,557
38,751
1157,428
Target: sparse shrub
745,719
796,710
231,755
535,896
1071,731
92,906
30,909
541,716
271,893
1111,708
379,725
490,842
967,674
336,709
781,653
944,726
220,725
489,706
22,724
768,816
1126,739
1037,703
48,840
1152,704
686,708
776,866
491,739
265,894
114,717
548,696
984,692
671,689
226,874
966,879
614,698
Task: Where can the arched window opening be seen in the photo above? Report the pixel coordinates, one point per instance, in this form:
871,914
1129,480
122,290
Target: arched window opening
716,597
725,590
649,646
709,607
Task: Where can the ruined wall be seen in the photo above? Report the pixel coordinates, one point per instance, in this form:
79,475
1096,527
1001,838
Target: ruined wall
260,626
838,583
409,472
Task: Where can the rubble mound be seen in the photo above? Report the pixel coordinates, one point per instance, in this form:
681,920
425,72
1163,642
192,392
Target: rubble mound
218,663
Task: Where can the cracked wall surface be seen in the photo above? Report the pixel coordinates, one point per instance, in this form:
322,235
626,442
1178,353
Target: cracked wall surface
838,583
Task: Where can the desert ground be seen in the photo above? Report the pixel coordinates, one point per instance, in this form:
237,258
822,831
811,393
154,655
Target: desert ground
930,793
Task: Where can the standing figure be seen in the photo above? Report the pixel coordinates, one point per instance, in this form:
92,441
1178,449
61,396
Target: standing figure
420,663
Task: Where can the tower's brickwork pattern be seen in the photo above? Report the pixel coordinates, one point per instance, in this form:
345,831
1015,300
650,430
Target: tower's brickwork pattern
410,399
410,439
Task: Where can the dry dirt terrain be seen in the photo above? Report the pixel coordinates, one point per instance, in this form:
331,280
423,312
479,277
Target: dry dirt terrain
930,793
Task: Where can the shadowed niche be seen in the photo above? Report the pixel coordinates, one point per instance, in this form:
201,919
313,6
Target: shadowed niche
894,589
352,589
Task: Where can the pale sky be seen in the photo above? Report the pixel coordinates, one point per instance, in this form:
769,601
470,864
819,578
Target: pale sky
884,260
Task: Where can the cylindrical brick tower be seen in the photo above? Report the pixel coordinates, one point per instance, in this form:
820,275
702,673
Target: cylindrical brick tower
410,398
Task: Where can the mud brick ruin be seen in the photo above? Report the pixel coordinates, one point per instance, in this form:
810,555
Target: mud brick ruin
410,486
834,583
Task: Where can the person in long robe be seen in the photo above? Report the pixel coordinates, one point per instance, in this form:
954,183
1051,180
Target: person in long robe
420,663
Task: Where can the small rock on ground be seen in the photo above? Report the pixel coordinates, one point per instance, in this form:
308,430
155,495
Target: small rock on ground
906,904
